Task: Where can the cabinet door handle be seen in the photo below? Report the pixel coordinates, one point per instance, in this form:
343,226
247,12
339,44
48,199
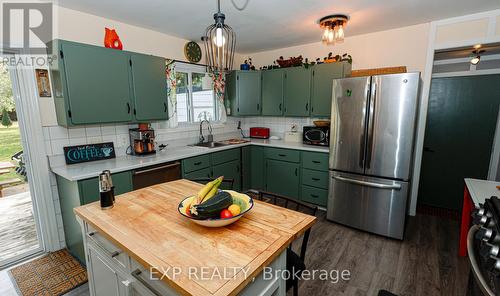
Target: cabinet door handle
258,106
136,274
316,161
128,108
115,254
282,155
165,107
279,107
296,171
315,179
307,106
314,196
197,163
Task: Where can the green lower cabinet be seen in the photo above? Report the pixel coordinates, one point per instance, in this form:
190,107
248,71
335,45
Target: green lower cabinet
315,178
199,174
283,178
314,195
257,170
230,170
73,194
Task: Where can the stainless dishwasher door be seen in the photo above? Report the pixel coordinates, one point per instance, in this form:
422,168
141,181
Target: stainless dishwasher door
153,175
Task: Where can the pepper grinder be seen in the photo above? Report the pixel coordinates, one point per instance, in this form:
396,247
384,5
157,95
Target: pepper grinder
106,190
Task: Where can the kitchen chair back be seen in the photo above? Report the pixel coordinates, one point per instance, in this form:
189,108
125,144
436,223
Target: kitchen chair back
293,260
228,182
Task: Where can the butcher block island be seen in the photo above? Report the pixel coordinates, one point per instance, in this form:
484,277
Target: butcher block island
143,246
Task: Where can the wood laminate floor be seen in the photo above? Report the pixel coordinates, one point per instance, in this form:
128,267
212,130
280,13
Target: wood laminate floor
425,263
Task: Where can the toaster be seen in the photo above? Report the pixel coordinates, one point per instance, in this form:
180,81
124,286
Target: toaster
259,132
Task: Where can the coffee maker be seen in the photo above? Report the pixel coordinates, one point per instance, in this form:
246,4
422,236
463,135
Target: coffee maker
142,140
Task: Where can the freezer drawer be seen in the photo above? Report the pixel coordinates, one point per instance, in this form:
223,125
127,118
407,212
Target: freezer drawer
371,204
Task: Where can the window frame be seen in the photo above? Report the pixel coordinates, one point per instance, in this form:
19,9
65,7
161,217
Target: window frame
191,69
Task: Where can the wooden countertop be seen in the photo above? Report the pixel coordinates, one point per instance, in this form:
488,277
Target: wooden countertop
146,224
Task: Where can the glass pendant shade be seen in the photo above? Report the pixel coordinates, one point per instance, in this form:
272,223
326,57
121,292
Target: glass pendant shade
339,37
220,42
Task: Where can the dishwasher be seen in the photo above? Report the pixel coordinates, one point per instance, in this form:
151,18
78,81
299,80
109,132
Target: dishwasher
157,174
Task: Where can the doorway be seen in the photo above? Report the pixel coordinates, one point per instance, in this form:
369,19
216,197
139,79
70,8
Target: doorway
460,128
19,230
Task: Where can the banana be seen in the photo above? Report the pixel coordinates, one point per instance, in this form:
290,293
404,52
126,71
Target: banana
206,190
213,191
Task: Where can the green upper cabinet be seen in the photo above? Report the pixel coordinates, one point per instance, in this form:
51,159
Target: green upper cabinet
95,85
297,90
321,93
149,87
272,92
244,93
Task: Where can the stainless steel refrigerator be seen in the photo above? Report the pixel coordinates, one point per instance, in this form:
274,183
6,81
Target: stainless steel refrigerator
371,145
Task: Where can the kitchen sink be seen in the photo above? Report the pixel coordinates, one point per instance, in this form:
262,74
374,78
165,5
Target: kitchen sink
210,144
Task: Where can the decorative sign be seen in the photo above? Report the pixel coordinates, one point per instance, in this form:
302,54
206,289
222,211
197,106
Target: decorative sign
91,152
42,80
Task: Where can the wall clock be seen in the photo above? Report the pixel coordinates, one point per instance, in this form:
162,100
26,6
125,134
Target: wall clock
192,51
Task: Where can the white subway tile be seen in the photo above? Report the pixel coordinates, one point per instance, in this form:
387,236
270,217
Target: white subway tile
58,132
48,148
78,132
57,146
121,129
107,130
109,138
46,133
94,140
93,131
78,141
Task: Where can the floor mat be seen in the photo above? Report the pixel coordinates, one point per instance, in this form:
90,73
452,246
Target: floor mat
53,274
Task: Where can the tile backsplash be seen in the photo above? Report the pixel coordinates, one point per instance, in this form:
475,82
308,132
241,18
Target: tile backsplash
278,125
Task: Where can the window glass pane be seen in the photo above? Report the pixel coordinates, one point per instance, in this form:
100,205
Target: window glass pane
182,96
203,100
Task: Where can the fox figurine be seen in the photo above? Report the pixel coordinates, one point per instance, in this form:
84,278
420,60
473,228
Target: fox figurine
111,39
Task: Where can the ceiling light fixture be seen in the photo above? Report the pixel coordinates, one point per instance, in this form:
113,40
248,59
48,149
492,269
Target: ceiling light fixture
333,28
476,57
220,42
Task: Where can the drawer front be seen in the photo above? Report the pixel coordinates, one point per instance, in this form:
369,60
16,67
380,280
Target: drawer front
317,179
200,174
145,285
314,195
315,161
283,154
225,156
110,250
196,163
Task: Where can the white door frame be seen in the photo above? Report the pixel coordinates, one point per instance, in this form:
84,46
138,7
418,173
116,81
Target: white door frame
424,102
27,108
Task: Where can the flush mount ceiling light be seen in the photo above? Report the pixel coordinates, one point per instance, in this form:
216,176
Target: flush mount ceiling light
220,41
333,28
476,57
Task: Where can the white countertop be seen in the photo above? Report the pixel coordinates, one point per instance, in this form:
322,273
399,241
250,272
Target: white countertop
87,170
481,189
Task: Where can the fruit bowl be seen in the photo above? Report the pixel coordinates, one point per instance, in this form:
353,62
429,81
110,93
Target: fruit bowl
244,201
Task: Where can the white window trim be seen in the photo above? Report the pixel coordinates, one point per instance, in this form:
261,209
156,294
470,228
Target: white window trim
194,68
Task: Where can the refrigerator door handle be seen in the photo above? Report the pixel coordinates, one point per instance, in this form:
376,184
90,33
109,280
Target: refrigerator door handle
369,184
371,123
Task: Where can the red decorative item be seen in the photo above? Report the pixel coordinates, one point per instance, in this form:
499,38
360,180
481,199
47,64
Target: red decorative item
111,39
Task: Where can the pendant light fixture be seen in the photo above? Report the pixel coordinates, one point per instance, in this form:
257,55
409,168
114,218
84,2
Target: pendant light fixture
476,55
220,41
333,28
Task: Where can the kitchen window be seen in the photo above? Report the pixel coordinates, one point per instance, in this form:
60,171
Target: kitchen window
194,103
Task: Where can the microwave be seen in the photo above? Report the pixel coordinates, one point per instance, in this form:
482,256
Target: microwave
315,135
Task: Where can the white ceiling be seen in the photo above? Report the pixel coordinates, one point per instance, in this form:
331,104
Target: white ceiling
270,24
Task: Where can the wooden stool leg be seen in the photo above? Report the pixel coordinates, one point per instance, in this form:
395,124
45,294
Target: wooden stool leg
467,208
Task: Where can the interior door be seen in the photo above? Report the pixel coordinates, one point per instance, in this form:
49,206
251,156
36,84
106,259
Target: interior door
149,87
97,84
347,135
391,125
460,128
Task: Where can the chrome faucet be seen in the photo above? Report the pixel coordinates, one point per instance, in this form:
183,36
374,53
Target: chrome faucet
210,136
